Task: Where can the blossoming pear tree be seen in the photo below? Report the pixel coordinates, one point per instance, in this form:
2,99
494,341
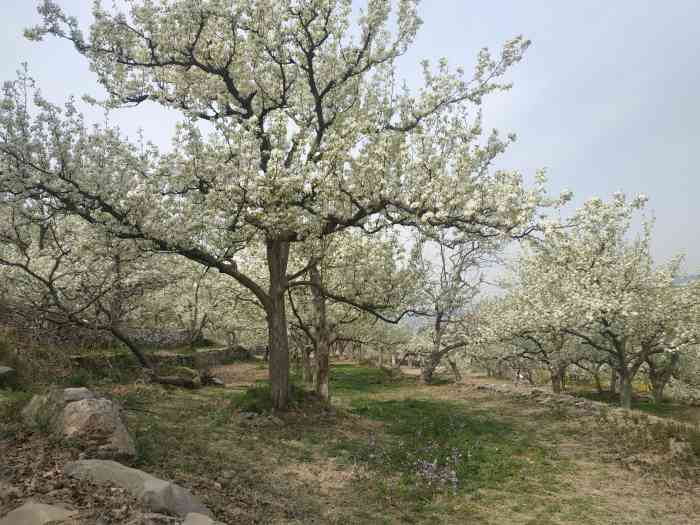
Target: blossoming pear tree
59,270
206,304
448,280
518,333
352,278
590,279
310,134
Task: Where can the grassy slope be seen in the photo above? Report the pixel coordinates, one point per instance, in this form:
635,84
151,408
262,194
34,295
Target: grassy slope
392,451
386,455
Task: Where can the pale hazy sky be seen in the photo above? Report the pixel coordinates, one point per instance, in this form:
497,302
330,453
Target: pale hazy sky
607,98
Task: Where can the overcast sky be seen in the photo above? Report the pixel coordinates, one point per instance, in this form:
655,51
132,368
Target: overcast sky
607,98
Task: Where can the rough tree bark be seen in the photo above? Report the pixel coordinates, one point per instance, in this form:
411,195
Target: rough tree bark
660,374
558,374
277,259
427,371
321,380
613,381
625,391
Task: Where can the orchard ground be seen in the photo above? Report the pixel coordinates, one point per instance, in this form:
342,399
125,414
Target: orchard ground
390,451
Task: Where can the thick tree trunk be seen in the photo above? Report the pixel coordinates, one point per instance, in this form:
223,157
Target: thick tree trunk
625,391
322,353
430,363
613,381
657,390
426,374
660,374
277,258
556,382
322,381
558,376
182,382
562,374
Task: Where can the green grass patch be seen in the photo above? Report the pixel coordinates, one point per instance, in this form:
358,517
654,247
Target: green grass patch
11,404
349,379
430,447
258,398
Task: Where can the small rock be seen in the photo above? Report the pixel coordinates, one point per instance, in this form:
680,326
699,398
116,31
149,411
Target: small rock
98,422
75,413
194,518
215,381
8,376
37,514
152,518
8,492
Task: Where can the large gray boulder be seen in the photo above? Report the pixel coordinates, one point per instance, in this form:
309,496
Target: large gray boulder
37,514
156,494
95,424
8,377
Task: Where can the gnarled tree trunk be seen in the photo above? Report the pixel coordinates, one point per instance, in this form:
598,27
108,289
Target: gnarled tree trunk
558,375
428,366
625,391
278,343
660,374
321,382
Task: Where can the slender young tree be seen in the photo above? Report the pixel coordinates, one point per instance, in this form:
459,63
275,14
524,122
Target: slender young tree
448,279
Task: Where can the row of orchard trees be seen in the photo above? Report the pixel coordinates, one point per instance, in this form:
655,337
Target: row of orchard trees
298,157
586,292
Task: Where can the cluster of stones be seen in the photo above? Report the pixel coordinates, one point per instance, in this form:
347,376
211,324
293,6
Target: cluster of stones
96,426
76,414
578,405
546,397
